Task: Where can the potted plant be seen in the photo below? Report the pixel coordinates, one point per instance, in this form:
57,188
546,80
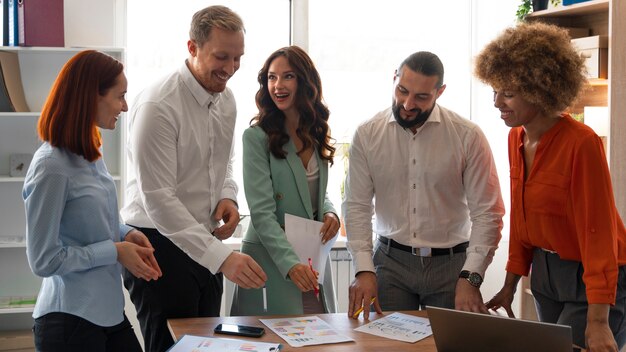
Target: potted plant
523,10
528,6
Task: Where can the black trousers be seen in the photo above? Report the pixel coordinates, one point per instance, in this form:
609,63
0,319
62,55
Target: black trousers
186,290
62,332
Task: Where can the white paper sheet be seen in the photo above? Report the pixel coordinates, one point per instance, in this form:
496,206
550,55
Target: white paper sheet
305,331
304,236
399,326
191,343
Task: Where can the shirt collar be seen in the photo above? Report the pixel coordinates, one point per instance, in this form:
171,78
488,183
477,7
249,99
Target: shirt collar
198,92
549,134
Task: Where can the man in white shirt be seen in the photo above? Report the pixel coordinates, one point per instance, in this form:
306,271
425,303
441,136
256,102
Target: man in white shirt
180,150
429,177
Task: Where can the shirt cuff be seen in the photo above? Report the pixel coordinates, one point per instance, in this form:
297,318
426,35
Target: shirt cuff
600,297
517,269
215,255
229,193
124,230
363,262
103,253
476,263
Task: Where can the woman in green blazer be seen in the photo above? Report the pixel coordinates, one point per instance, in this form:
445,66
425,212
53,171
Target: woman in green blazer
286,153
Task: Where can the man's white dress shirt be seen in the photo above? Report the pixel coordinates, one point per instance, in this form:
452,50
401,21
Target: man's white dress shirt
435,188
180,152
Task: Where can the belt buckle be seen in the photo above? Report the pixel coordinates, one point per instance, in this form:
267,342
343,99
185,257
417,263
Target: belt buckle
421,251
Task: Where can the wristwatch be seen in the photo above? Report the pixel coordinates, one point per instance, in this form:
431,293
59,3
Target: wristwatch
473,278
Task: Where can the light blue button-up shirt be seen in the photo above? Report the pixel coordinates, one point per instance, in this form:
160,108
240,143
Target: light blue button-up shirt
72,224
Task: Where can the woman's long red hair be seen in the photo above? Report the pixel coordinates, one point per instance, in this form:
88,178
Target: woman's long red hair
68,117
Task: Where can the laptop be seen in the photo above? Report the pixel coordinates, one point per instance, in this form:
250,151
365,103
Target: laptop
458,331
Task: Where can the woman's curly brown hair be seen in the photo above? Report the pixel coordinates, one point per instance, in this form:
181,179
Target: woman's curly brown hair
313,127
537,60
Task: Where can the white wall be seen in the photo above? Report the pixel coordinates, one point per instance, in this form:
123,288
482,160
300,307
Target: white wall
95,23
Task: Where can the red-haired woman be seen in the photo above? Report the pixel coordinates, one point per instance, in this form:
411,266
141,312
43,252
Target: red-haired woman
74,237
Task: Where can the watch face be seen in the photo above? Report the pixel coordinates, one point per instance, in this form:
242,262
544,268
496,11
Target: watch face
475,279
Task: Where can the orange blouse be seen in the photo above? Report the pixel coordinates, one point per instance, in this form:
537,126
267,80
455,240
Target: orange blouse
566,205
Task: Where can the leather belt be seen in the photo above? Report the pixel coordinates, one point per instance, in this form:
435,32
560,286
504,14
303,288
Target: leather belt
424,251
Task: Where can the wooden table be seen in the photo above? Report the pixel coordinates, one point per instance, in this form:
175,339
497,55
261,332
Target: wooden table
339,321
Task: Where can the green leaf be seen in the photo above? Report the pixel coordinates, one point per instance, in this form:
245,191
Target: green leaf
524,9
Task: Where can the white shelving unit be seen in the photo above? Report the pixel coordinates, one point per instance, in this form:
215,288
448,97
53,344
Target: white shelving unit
39,68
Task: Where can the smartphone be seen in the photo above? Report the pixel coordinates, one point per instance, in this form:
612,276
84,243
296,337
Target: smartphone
239,330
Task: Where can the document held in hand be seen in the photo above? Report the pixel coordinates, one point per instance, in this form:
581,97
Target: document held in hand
304,236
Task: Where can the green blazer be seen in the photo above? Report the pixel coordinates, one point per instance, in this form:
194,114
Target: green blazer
274,187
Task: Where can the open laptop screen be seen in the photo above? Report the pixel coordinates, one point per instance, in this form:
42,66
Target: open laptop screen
456,331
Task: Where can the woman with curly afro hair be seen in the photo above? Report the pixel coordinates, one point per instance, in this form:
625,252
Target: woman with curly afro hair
563,216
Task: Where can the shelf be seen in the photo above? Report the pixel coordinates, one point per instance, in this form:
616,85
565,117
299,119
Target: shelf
11,179
17,310
12,245
47,49
6,178
597,82
21,339
5,114
582,8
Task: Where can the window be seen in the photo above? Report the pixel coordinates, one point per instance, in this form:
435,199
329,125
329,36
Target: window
358,54
356,48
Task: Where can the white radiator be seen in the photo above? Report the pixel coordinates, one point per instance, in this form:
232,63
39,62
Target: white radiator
343,274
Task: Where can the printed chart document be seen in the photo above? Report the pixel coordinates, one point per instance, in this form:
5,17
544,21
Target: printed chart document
304,236
399,326
191,343
304,331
